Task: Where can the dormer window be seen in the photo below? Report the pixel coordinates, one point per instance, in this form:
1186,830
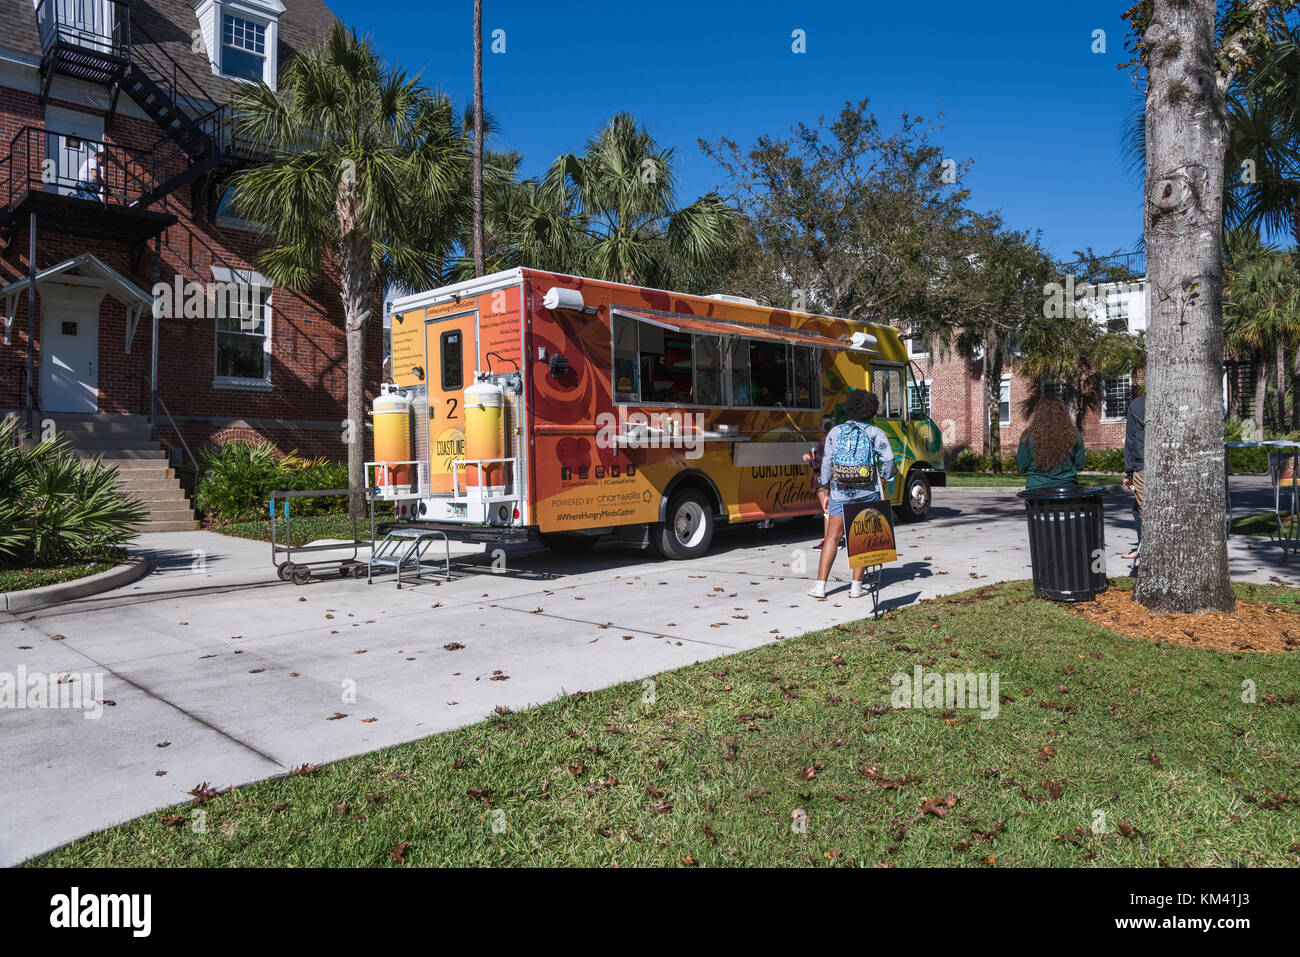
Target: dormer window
241,37
243,48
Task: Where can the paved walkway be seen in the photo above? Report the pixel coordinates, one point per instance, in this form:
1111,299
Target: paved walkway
219,672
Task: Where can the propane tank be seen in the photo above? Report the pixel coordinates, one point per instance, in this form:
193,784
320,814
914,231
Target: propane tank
392,418
485,434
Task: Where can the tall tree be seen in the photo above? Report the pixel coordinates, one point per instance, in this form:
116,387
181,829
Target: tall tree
479,264
847,218
610,212
1191,55
1262,315
363,180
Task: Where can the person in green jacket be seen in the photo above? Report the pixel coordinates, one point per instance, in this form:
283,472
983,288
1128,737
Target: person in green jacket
1051,449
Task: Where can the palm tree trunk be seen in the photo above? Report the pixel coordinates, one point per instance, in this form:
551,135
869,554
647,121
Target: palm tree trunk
480,265
1260,395
355,277
1184,548
993,399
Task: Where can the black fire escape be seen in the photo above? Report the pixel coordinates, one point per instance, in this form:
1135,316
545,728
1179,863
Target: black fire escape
106,191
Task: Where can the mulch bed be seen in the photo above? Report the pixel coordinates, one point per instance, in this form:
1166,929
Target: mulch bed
1255,626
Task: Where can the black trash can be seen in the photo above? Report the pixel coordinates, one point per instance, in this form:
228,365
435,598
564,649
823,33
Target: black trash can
1067,541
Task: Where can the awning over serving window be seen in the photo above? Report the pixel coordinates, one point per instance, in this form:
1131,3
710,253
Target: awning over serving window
722,327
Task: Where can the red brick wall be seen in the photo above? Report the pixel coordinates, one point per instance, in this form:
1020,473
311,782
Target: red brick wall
956,405
308,352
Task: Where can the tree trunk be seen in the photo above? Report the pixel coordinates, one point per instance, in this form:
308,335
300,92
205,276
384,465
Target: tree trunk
1281,385
1260,368
993,398
355,276
480,264
1184,548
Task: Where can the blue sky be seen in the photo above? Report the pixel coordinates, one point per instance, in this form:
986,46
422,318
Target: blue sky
1015,85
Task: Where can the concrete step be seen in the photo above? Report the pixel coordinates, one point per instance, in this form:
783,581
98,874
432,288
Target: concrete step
178,526
167,512
106,425
147,481
97,443
155,495
112,457
105,419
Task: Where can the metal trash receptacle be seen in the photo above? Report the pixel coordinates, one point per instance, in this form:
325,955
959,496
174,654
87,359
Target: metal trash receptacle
1067,541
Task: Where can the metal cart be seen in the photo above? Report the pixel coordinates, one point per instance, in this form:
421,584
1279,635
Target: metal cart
283,552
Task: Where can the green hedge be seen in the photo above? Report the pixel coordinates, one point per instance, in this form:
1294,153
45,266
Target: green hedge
239,477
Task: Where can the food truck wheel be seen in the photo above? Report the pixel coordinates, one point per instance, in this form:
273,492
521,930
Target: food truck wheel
565,542
689,529
916,497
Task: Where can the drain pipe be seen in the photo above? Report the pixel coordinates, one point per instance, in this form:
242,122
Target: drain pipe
31,327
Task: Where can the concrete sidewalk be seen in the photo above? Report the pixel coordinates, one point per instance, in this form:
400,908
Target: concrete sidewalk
219,672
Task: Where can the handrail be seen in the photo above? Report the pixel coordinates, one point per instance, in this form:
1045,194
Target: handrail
175,428
122,176
151,54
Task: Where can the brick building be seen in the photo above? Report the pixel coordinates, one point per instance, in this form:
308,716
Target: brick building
951,388
116,145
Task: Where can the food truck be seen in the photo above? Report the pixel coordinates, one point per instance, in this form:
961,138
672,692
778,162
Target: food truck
532,405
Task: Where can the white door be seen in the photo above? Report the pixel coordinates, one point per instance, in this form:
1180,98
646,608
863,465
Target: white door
69,360
75,143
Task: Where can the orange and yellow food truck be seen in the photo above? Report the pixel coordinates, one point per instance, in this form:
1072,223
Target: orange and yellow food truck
531,405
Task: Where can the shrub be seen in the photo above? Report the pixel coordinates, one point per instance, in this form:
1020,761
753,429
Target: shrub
239,477
1103,460
55,507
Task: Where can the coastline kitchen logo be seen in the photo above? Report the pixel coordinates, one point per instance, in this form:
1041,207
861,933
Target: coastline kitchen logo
75,910
186,299
655,430
68,691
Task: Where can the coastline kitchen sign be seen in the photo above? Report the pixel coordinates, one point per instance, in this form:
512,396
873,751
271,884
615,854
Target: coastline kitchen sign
870,531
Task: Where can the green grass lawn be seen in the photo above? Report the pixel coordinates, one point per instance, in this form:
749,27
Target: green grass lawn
20,579
1014,480
1150,745
1264,523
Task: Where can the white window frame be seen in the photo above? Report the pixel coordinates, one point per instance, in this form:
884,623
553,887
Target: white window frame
212,15
925,403
243,382
1004,384
911,346
1126,378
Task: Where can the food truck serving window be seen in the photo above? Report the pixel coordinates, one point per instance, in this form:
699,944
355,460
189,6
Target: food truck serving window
702,362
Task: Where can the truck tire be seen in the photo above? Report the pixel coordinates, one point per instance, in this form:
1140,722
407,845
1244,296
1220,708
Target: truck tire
688,531
566,541
916,497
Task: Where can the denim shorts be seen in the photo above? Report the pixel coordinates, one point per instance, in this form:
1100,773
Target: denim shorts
838,501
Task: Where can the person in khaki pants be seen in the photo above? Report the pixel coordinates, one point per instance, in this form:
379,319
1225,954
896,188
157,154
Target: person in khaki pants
1135,447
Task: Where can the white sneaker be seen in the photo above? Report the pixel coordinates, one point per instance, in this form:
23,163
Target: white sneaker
818,590
856,590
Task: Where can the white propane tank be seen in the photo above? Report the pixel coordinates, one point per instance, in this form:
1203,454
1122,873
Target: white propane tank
485,436
392,419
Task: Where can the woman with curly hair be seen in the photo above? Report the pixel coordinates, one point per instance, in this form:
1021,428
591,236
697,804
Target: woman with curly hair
1051,449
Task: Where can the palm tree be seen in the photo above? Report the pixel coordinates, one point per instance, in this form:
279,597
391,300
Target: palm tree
365,174
1262,312
478,139
610,212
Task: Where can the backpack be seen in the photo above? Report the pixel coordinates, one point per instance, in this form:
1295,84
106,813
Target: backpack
853,463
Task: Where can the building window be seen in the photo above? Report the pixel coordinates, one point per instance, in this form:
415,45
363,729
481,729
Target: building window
243,48
1054,389
1116,392
918,398
243,335
1117,308
916,348
1004,401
